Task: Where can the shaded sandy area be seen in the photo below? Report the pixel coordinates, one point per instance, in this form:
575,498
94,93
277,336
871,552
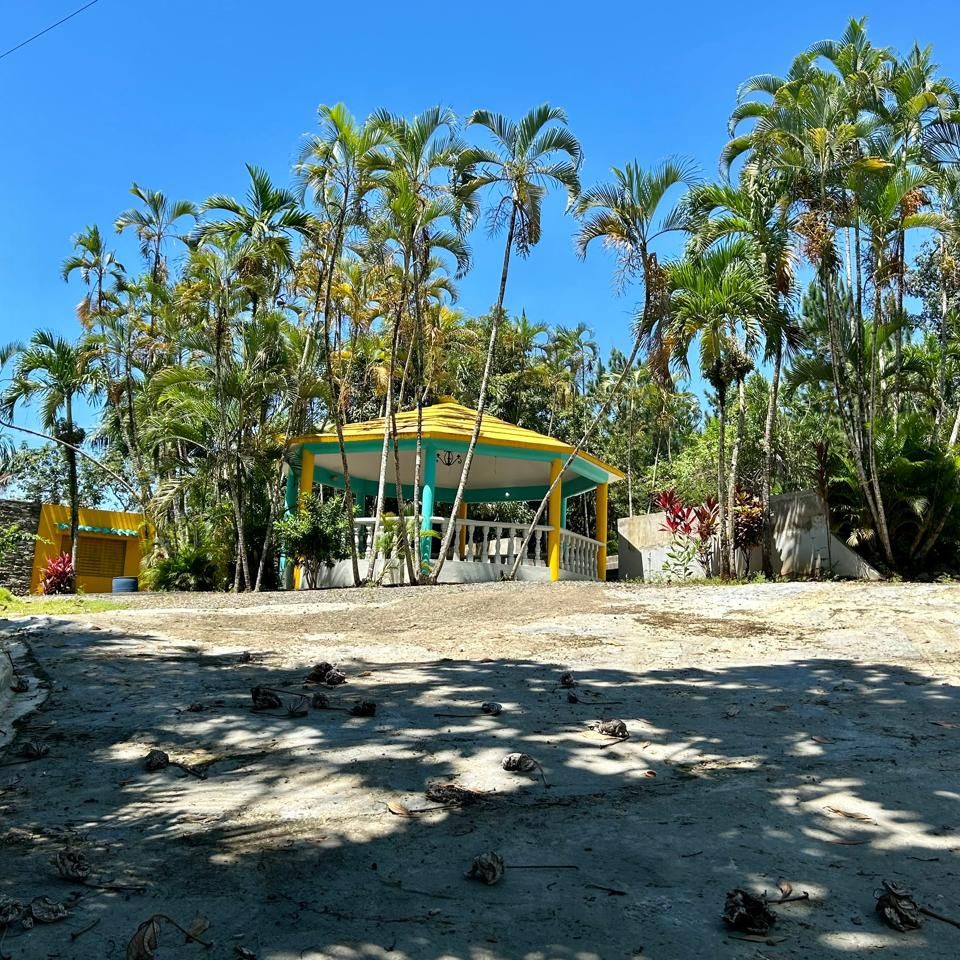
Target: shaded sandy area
805,732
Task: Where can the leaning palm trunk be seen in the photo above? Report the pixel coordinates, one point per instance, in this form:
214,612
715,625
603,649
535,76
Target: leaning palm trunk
768,460
581,443
481,403
734,477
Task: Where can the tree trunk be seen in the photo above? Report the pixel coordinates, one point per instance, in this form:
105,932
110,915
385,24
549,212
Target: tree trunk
387,420
722,484
768,459
481,403
335,394
734,466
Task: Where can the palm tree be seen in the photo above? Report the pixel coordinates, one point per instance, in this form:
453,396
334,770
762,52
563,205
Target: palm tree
262,230
718,300
57,373
338,167
756,210
526,160
153,224
626,216
97,266
416,214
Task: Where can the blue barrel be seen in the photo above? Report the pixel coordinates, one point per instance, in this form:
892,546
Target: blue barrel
126,584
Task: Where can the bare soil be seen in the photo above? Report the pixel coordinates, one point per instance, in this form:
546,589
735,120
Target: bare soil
805,733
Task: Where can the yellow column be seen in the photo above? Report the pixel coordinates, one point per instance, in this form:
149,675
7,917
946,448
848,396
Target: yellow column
306,488
553,537
601,533
462,544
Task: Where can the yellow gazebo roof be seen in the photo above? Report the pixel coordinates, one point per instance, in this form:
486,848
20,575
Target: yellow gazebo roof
452,422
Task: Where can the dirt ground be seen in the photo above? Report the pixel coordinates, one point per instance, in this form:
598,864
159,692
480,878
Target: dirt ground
799,732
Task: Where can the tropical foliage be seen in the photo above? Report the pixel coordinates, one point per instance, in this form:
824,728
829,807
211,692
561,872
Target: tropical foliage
809,298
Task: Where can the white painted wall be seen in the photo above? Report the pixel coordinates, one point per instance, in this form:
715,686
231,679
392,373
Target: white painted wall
802,545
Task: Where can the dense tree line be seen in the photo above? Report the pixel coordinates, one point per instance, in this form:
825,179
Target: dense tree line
826,335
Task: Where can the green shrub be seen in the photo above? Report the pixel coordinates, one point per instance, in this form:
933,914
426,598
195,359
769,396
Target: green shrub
316,533
191,568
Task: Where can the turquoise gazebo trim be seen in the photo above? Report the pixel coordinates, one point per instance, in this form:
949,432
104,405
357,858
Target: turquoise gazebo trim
112,531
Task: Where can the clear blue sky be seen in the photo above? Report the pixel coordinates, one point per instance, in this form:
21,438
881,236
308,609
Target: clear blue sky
181,97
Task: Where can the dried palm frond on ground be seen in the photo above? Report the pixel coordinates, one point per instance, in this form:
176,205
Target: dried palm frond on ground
452,794
159,760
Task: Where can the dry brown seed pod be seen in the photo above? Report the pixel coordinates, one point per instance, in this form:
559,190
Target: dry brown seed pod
519,763
492,708
319,672
898,908
334,677
33,750
747,912
156,760
566,679
45,910
320,701
10,910
71,865
612,728
264,699
488,868
363,708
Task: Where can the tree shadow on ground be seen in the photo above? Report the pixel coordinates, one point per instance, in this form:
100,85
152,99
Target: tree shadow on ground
831,774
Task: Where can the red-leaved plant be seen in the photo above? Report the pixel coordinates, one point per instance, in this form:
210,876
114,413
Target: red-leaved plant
678,519
57,575
693,529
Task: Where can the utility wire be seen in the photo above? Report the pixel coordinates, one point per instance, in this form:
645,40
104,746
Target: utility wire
47,29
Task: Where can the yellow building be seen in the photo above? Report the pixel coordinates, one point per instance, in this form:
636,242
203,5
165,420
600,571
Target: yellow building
110,544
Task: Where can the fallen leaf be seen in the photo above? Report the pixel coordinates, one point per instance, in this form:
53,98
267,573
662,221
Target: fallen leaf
398,809
850,815
785,887
819,739
847,843
945,723
200,925
649,773
144,942
779,707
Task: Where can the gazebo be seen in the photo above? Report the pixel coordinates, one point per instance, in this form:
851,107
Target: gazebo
510,464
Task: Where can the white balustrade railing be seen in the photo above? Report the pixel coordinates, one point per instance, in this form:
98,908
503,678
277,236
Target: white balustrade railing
578,553
484,541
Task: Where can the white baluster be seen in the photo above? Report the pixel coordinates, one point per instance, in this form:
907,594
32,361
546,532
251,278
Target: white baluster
484,551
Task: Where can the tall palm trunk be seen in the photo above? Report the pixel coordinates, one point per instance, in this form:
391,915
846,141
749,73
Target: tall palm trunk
335,397
722,482
734,477
481,401
768,459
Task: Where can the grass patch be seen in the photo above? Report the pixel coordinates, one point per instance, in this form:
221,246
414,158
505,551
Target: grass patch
11,606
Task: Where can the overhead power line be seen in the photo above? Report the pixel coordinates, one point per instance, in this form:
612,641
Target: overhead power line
52,26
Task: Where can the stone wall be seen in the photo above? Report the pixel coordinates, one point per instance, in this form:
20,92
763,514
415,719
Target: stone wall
17,571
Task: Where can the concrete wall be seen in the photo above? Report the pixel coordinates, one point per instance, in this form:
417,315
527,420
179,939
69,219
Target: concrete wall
802,545
17,571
